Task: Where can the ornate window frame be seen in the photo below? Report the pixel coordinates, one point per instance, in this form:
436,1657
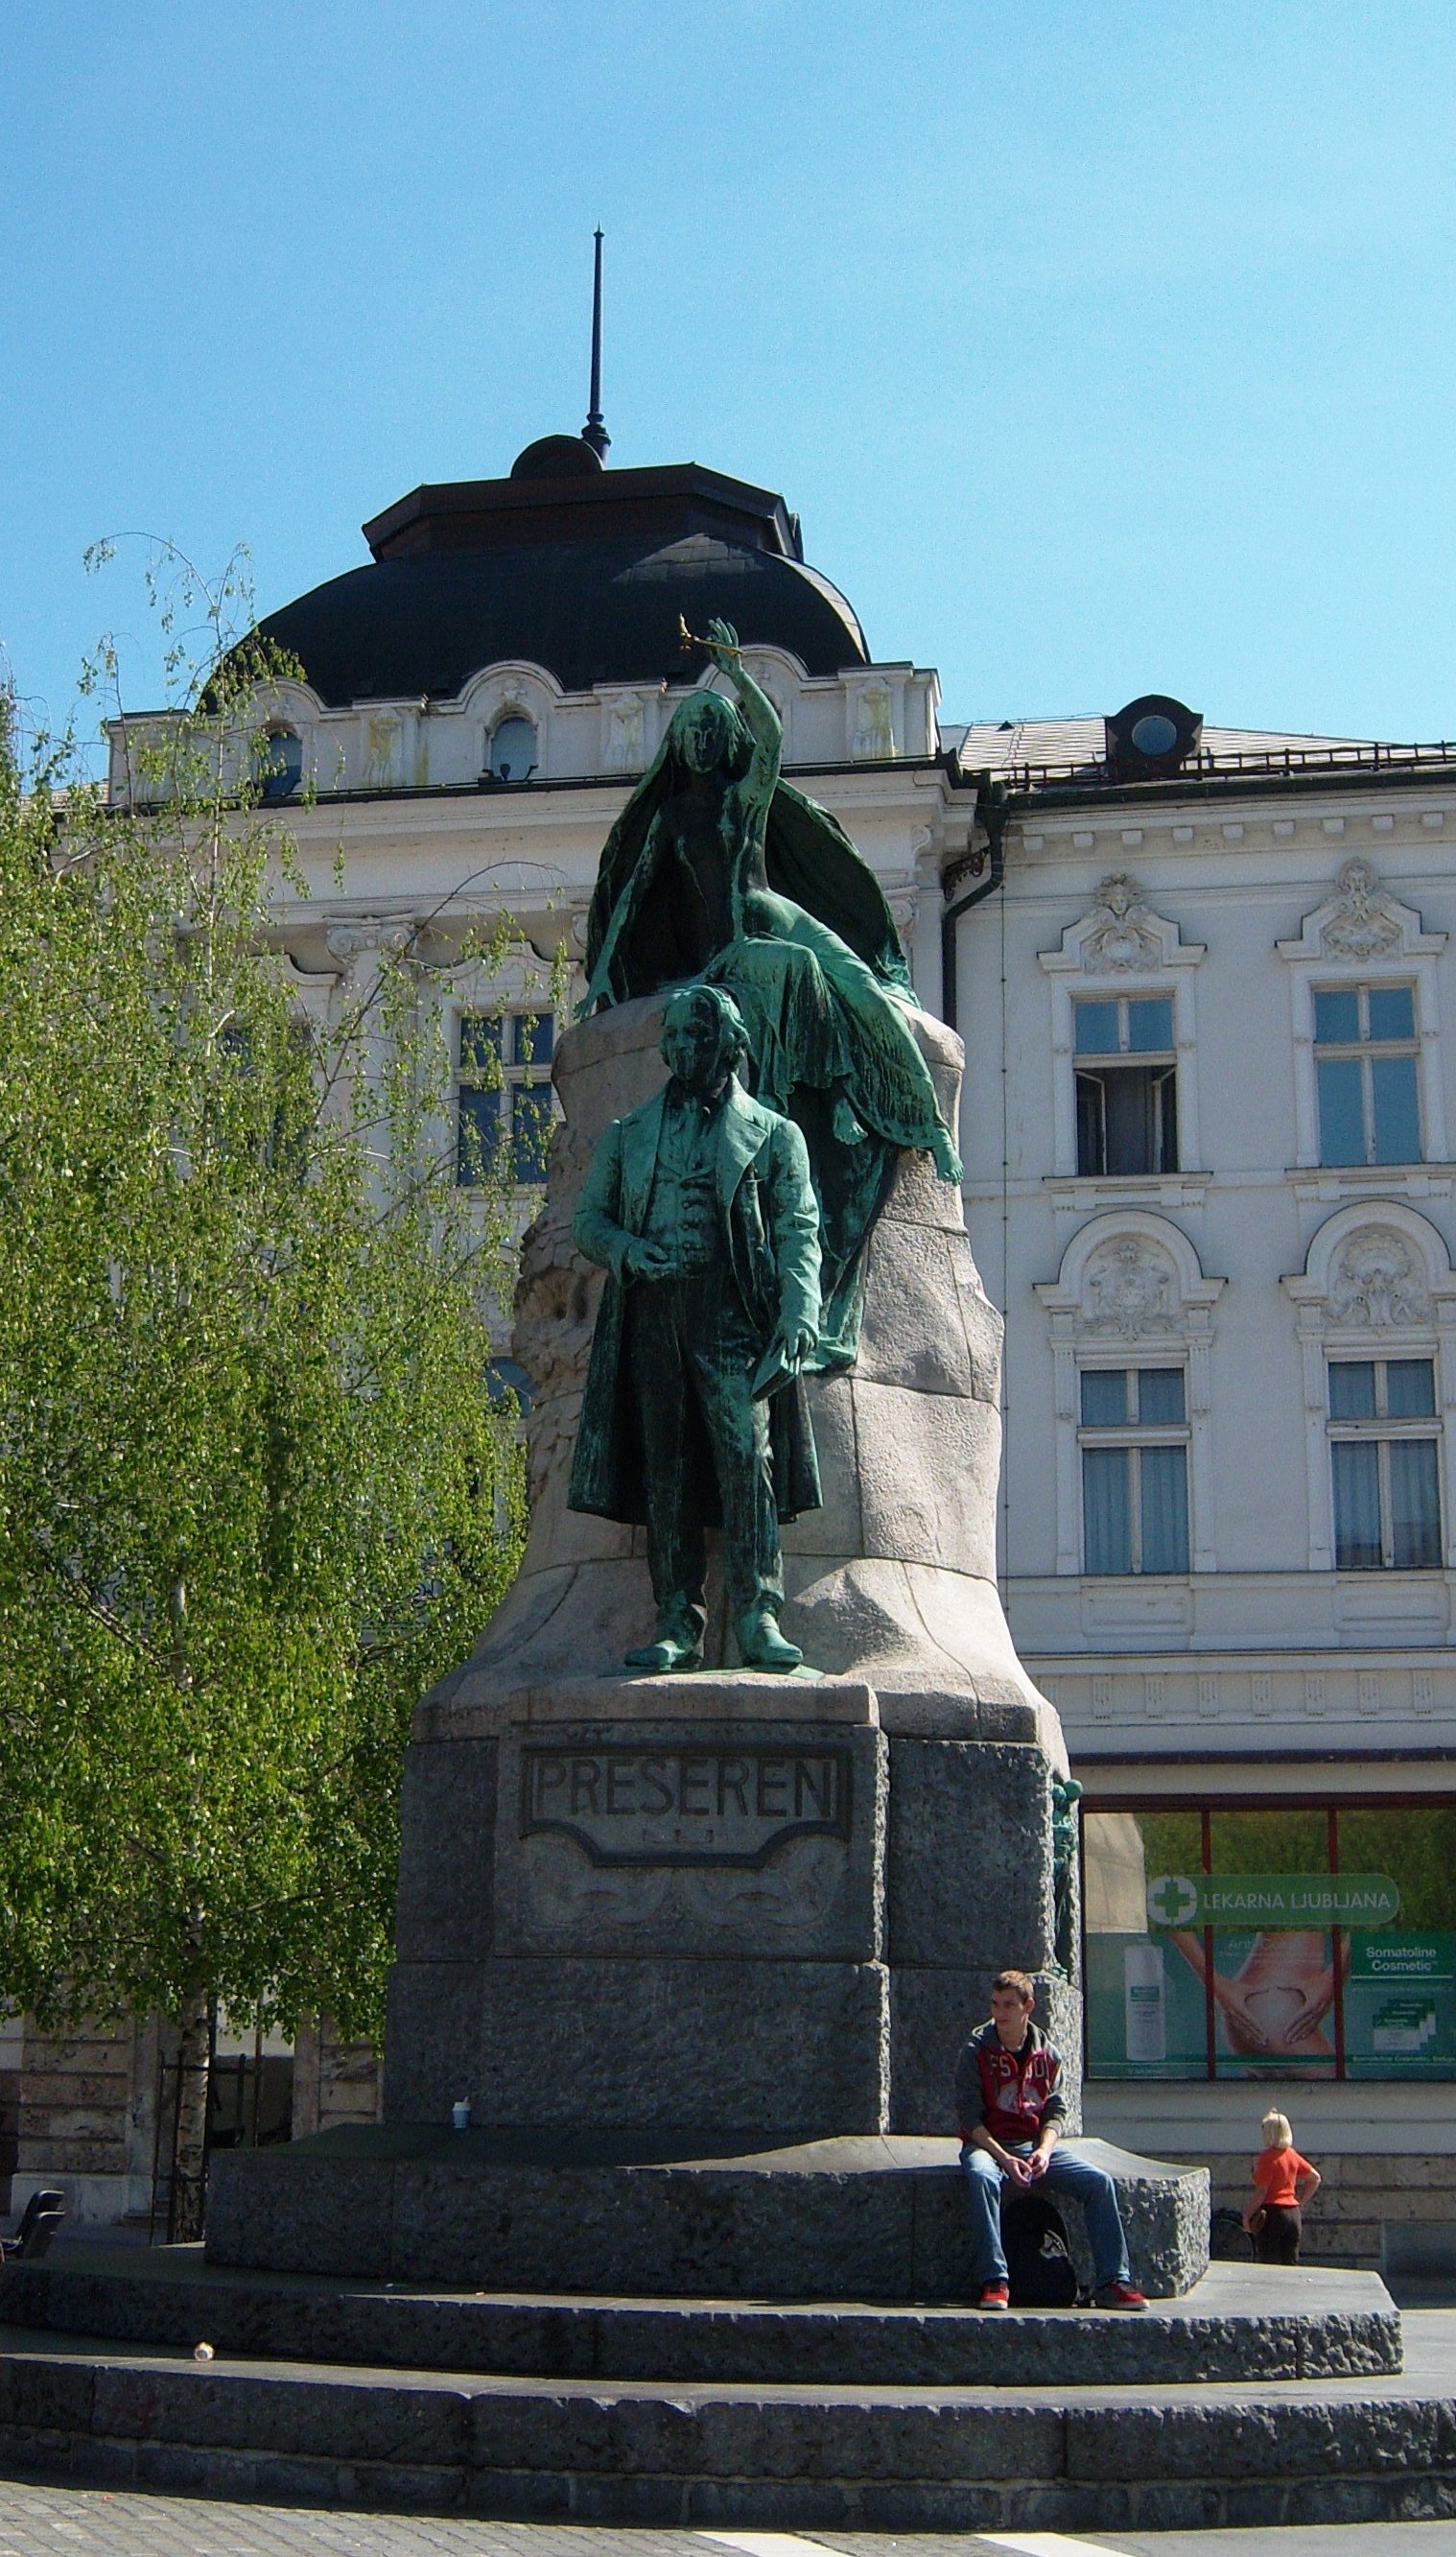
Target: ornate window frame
287,705
1377,1283
512,689
1363,935
1130,1292
1119,945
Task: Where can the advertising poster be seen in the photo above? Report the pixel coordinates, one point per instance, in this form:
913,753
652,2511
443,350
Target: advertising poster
1400,2007
1144,2009
1270,1972
1274,2002
1282,1940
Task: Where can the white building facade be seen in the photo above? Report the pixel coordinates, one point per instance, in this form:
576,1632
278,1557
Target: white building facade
1210,1018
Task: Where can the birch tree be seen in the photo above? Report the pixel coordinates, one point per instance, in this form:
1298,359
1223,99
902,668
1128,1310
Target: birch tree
255,1493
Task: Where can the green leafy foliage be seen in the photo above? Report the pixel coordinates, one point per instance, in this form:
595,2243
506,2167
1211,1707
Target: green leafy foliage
254,1493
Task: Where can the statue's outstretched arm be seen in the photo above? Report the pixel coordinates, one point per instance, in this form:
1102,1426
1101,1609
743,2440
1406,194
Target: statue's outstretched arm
760,718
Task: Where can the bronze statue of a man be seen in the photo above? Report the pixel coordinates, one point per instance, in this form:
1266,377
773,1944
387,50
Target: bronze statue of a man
701,1209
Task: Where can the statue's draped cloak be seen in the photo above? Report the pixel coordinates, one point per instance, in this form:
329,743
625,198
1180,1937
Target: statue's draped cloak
807,856
825,994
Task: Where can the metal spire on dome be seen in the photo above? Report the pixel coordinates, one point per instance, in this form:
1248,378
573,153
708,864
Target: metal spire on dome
593,432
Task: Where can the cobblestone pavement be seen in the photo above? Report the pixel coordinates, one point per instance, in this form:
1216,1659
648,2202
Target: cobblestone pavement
49,2520
58,2519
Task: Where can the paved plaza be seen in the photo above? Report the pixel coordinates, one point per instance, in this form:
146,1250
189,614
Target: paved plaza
47,2520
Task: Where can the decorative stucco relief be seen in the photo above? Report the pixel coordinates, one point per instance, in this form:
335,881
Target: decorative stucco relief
874,740
383,739
905,906
1377,1269
1379,1281
1362,922
626,733
1122,935
1129,1288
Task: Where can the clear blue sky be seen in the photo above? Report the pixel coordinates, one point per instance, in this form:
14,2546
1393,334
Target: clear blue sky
1103,345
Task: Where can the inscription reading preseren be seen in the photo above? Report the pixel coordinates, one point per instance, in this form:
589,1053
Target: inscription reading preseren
629,1805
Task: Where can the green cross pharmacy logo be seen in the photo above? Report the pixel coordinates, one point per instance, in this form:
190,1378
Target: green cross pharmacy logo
1173,1900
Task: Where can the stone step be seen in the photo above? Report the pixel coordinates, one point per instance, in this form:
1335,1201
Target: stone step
877,2215
1238,2322
815,2456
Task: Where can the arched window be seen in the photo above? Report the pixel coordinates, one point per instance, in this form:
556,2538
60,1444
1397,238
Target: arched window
1375,1309
1131,1329
280,763
513,748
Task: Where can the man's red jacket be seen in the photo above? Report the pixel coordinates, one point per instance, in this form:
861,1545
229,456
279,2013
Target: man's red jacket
1010,2094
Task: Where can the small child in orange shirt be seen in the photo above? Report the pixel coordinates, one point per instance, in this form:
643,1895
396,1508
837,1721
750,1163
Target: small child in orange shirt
1283,2182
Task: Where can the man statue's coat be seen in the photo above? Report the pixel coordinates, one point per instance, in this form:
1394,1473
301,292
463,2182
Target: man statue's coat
772,1223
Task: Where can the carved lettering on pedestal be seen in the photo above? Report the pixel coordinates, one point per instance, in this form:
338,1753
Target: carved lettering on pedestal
629,1805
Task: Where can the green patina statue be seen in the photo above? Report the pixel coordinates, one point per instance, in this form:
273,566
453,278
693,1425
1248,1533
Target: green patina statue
701,1209
718,869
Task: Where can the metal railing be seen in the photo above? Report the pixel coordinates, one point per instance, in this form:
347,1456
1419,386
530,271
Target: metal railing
238,2116
1222,764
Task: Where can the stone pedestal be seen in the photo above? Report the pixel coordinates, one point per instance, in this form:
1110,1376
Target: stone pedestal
649,1924
732,1905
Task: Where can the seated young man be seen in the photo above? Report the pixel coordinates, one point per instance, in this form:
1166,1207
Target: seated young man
1010,2108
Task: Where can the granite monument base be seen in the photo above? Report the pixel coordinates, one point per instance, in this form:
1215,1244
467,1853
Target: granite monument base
1267,2396
749,1909
878,2219
1239,2323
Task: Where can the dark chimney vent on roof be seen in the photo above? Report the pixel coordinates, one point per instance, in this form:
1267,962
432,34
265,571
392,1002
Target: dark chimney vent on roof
557,457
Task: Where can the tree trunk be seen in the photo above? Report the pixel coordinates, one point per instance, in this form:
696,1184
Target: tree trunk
189,2155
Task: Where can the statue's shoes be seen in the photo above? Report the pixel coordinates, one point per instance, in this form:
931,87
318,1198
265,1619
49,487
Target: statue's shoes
658,1658
763,1647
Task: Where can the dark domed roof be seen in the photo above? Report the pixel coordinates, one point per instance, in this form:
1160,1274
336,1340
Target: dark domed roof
584,571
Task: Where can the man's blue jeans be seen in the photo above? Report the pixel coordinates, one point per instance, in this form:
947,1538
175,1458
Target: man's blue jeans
1067,2174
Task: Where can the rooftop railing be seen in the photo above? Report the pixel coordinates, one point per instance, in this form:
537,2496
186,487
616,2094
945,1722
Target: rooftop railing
1223,763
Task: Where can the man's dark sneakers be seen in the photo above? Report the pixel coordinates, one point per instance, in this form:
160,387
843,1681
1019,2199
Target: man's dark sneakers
1118,2295
994,2294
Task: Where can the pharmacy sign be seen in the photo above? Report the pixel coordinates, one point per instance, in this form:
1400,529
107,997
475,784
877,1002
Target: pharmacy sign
1272,1900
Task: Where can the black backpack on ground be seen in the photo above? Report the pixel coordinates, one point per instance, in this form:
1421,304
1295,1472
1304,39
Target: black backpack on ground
1228,2238
1038,2258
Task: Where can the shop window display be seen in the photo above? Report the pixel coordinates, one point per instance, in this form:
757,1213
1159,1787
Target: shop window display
1311,1940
